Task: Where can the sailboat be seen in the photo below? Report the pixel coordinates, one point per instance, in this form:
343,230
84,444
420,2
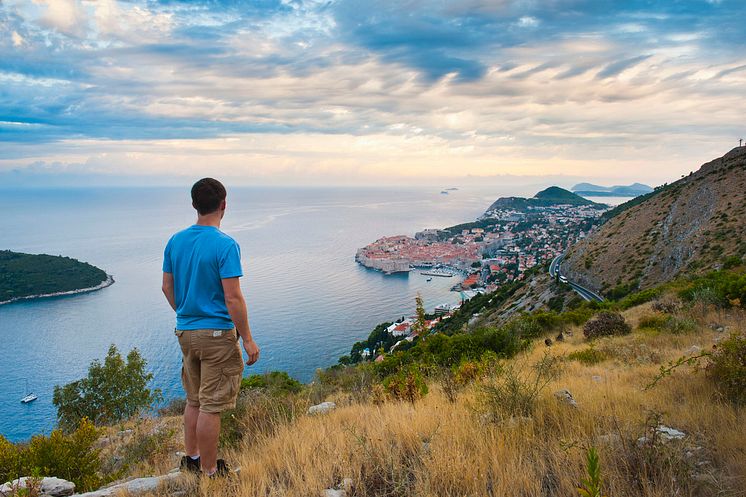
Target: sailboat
30,397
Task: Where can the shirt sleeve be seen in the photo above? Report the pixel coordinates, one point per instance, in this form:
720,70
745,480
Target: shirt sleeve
167,266
230,262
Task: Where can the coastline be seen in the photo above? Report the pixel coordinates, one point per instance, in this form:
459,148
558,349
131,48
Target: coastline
107,282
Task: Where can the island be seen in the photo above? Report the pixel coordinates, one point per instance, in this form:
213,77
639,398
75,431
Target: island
32,276
591,190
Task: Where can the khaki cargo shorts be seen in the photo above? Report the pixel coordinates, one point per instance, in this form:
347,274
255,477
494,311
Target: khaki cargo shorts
211,369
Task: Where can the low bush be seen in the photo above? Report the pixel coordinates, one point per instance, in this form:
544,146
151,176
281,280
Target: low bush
640,297
274,382
668,324
257,414
406,385
720,288
588,356
514,391
606,323
146,446
727,368
73,457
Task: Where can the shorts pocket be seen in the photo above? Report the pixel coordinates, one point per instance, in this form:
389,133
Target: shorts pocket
230,382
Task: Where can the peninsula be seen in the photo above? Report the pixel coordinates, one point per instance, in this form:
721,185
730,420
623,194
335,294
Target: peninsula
513,235
31,276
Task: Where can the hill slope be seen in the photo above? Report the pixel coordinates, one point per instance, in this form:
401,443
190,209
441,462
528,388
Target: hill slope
692,224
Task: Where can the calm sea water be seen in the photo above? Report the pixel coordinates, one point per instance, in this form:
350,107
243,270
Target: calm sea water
308,300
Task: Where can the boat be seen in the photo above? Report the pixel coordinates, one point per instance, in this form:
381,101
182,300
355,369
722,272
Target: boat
30,397
430,279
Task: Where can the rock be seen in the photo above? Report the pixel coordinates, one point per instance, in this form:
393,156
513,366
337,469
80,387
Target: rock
566,397
719,328
322,408
597,379
333,492
50,486
667,433
137,486
694,349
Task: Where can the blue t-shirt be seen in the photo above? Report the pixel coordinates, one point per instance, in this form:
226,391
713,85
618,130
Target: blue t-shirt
199,257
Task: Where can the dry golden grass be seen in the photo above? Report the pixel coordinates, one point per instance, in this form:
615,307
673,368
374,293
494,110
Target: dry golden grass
438,448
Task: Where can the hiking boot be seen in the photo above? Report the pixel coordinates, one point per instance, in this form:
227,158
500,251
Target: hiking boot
222,470
189,465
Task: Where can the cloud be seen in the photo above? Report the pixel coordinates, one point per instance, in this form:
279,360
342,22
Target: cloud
420,87
615,68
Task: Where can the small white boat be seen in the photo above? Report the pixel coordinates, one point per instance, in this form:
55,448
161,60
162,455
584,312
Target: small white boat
30,397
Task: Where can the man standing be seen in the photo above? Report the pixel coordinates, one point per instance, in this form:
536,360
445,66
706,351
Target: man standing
201,271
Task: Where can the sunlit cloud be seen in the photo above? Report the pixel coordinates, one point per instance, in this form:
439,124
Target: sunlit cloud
351,91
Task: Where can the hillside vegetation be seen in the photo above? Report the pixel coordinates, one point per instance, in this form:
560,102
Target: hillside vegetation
652,384
24,275
553,195
690,226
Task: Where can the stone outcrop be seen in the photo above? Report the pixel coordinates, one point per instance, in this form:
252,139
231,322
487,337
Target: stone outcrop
138,486
322,408
50,486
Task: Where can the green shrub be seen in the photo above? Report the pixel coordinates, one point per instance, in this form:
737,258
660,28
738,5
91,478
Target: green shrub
727,368
668,324
720,288
406,385
640,297
275,382
113,391
588,356
606,323
10,460
73,457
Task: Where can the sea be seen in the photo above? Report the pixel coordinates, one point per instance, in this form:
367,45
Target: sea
308,300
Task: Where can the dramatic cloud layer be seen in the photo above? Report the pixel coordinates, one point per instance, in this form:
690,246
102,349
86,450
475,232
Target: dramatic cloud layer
356,91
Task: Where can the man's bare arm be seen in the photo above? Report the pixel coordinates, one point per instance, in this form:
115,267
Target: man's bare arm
168,289
236,305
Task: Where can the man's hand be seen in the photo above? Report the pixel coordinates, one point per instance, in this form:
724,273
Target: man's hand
252,350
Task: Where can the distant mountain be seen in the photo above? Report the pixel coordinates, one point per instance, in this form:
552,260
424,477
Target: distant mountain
591,190
553,195
689,226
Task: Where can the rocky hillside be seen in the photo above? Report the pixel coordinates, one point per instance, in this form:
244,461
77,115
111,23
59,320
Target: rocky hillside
691,225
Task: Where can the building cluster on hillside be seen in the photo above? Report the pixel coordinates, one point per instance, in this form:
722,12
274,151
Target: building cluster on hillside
406,331
499,247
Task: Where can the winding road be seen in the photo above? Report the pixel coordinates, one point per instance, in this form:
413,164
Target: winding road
554,272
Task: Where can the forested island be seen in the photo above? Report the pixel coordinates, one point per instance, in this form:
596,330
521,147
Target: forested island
28,276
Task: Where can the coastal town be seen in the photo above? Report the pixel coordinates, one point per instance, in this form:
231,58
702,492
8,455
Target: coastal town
511,237
508,239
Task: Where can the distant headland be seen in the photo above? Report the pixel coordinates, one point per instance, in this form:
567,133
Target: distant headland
32,276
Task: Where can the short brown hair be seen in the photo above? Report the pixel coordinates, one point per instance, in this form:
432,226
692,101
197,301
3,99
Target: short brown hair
207,194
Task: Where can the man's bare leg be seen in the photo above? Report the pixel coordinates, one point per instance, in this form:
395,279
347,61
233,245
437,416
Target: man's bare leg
191,414
208,431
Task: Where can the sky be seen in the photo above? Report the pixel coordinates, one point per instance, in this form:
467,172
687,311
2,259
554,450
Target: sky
352,92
